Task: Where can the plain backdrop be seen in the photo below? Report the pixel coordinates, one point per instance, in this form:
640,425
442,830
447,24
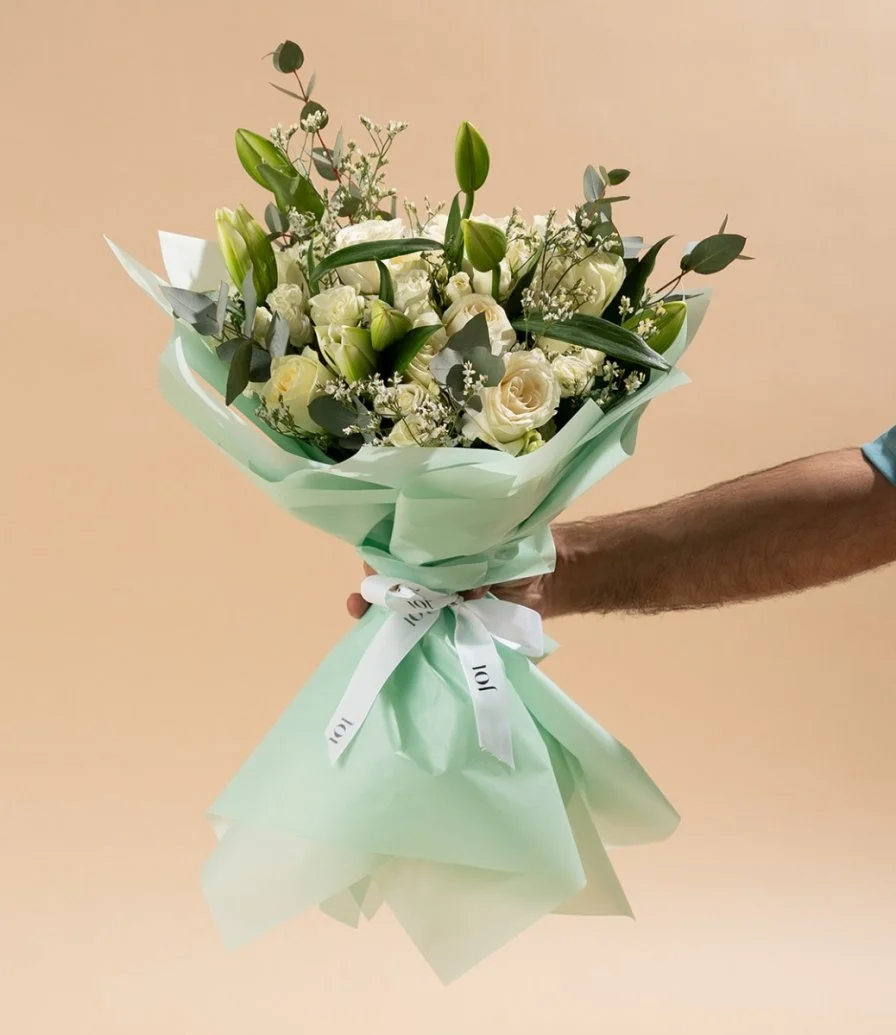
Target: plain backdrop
158,613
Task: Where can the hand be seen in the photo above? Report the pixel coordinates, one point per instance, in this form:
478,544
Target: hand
528,592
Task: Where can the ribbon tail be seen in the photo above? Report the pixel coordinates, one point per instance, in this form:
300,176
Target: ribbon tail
487,683
388,648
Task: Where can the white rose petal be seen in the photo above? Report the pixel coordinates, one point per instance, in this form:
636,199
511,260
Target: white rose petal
295,381
574,373
525,400
340,305
435,228
410,287
364,275
602,274
500,332
458,286
289,301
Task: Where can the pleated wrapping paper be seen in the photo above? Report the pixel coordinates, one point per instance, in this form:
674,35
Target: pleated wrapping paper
465,850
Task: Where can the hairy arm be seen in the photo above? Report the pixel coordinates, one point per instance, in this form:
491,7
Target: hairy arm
806,523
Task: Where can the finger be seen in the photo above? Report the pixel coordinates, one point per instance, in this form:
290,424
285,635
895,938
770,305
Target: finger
357,605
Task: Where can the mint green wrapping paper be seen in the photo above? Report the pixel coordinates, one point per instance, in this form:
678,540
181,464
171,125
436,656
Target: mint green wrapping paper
465,852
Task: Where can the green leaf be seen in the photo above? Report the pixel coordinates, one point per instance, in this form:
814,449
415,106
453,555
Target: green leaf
635,281
226,350
593,332
387,285
484,244
250,300
312,82
238,375
313,108
370,251
331,415
513,304
294,191
746,258
277,337
253,149
621,197
338,147
593,184
473,334
617,176
289,93
454,240
713,253
724,224
471,160
288,57
667,326
403,352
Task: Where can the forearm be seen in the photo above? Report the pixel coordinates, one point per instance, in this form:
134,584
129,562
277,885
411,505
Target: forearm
806,523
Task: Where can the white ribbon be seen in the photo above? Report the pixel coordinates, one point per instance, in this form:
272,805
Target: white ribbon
478,623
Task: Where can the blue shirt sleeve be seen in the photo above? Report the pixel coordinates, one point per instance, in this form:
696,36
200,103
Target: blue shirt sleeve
882,453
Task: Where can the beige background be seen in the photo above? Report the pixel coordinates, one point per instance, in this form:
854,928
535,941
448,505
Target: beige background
135,558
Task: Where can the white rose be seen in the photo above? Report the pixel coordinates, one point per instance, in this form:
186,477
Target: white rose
411,286
458,286
603,275
501,334
501,223
289,300
519,251
524,400
261,323
341,305
401,400
574,373
423,315
364,275
412,430
295,381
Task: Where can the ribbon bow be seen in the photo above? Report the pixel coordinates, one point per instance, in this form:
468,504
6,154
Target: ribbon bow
478,623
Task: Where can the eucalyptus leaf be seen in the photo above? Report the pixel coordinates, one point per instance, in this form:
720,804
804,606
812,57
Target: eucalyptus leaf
485,364
275,220
635,281
221,306
338,147
454,382
194,308
713,254
387,285
617,176
370,251
324,164
259,364
313,108
593,184
250,300
724,225
349,206
238,374
620,197
312,82
227,349
288,57
443,362
289,93
594,332
473,334
331,415
277,337
746,258
474,403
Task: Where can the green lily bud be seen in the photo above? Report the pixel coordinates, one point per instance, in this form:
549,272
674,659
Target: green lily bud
666,328
387,325
254,150
485,245
233,247
347,350
261,252
470,159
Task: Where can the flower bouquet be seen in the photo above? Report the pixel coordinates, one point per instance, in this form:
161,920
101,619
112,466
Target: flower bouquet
433,390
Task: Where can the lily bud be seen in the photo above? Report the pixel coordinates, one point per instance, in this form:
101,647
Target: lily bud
254,150
234,249
347,350
243,243
387,325
470,159
485,245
